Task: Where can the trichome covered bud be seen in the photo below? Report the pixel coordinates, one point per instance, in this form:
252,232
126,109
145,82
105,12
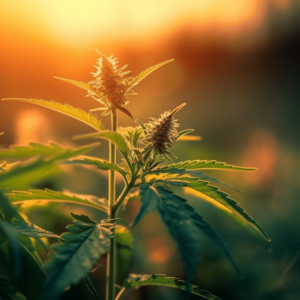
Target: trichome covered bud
110,83
161,133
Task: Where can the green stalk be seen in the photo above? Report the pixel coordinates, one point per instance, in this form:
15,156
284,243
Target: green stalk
111,256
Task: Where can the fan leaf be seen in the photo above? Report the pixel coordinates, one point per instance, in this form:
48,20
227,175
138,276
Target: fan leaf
51,150
31,230
134,281
83,245
35,196
66,109
204,164
221,197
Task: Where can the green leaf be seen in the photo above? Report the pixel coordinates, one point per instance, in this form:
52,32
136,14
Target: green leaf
36,196
134,281
124,248
15,248
23,174
82,246
7,211
150,201
183,224
9,291
204,164
145,73
176,217
66,109
114,137
222,198
80,84
31,230
38,149
193,173
98,163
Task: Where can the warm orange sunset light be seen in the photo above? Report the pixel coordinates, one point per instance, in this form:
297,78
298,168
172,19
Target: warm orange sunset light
85,21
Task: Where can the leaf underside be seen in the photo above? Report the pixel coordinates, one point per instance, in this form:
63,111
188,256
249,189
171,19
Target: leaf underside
135,280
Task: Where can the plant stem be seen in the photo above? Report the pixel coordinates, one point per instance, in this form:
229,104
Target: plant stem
111,256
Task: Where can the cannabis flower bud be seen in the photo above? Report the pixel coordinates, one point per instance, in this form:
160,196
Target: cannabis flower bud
110,85
160,134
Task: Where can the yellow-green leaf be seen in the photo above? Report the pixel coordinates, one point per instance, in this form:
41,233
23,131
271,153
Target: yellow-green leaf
145,73
66,109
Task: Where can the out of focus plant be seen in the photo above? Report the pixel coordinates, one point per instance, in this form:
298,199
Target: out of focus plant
147,174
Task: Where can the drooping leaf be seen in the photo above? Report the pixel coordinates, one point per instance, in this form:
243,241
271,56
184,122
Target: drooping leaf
68,110
222,198
31,230
114,137
124,248
175,216
8,291
150,201
34,196
98,163
134,281
204,164
82,246
183,224
38,149
145,73
124,110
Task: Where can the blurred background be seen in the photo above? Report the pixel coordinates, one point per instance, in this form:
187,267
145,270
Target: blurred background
236,66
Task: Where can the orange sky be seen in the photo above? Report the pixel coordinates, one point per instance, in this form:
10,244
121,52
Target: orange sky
71,21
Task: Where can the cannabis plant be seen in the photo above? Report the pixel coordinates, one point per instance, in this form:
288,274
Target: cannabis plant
148,174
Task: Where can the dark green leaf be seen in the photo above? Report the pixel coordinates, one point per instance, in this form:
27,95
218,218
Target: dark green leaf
31,230
149,201
82,246
183,224
135,280
222,198
8,291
